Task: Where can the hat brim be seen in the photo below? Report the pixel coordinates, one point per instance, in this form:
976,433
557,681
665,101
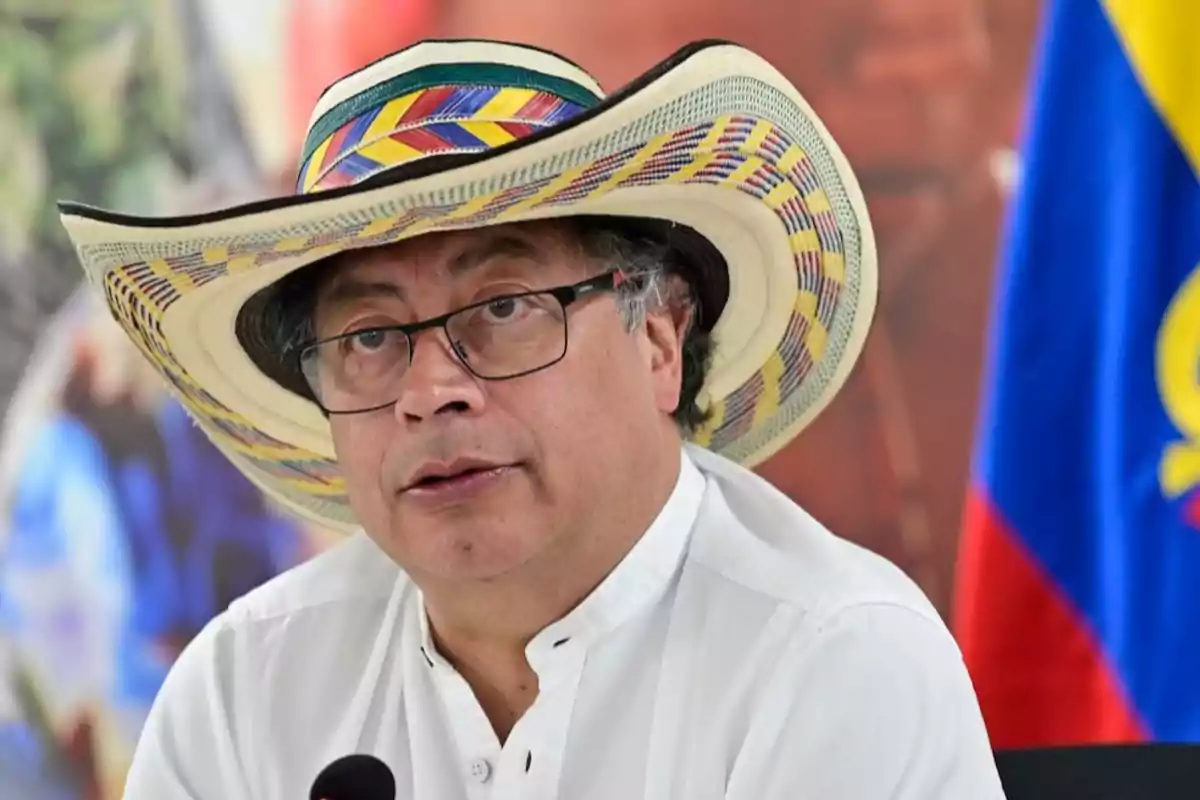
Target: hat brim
714,139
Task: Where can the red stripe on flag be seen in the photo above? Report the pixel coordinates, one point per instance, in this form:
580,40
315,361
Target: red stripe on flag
1040,676
1191,510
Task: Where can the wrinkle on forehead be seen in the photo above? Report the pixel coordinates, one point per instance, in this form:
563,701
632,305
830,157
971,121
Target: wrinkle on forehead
375,272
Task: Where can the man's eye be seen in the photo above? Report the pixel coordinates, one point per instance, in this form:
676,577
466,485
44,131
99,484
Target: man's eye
370,340
503,308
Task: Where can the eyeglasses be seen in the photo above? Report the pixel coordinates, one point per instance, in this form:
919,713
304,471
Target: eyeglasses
496,339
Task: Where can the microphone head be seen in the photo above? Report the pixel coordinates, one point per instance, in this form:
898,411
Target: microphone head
356,777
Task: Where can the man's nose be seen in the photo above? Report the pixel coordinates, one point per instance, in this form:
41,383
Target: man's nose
436,381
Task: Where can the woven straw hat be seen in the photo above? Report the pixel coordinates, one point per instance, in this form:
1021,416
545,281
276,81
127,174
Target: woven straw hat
461,134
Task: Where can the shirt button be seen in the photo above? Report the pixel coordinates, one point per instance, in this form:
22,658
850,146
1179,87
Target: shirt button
481,770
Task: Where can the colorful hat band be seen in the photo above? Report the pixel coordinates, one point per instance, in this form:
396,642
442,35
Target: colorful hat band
457,108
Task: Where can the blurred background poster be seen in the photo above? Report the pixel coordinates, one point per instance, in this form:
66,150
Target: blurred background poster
122,531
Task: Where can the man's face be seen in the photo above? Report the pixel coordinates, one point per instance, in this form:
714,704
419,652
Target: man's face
550,451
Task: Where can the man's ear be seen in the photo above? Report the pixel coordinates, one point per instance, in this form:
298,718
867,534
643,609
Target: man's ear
666,328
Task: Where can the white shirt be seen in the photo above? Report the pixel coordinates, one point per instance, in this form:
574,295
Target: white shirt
739,652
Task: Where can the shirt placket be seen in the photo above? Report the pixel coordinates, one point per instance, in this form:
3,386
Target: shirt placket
480,754
532,760
529,764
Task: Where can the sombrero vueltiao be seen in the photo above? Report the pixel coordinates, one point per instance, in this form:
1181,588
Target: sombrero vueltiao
463,134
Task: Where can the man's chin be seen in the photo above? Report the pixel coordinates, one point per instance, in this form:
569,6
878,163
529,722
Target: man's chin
470,545
481,564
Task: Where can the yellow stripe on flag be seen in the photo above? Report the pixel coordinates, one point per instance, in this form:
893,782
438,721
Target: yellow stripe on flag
1162,41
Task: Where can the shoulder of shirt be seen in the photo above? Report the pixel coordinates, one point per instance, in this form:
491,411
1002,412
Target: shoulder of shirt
354,571
752,536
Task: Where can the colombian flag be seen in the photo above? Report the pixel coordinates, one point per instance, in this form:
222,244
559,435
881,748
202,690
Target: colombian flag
1078,607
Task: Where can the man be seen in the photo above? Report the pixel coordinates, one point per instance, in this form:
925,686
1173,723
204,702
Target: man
489,337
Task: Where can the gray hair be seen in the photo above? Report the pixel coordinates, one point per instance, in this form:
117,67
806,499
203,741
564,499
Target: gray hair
645,264
657,277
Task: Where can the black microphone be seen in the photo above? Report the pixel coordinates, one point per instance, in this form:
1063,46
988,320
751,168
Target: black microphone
357,777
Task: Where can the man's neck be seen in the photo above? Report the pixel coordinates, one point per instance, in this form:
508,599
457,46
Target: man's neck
499,676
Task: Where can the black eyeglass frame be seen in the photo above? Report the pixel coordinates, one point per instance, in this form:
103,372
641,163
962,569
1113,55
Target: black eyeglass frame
565,295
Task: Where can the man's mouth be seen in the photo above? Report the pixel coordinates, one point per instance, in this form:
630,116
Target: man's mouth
456,480
441,480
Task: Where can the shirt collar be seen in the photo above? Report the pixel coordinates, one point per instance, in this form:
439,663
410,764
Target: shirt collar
637,582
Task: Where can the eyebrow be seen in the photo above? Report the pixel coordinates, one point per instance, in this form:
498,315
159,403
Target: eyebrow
497,246
347,290
343,290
